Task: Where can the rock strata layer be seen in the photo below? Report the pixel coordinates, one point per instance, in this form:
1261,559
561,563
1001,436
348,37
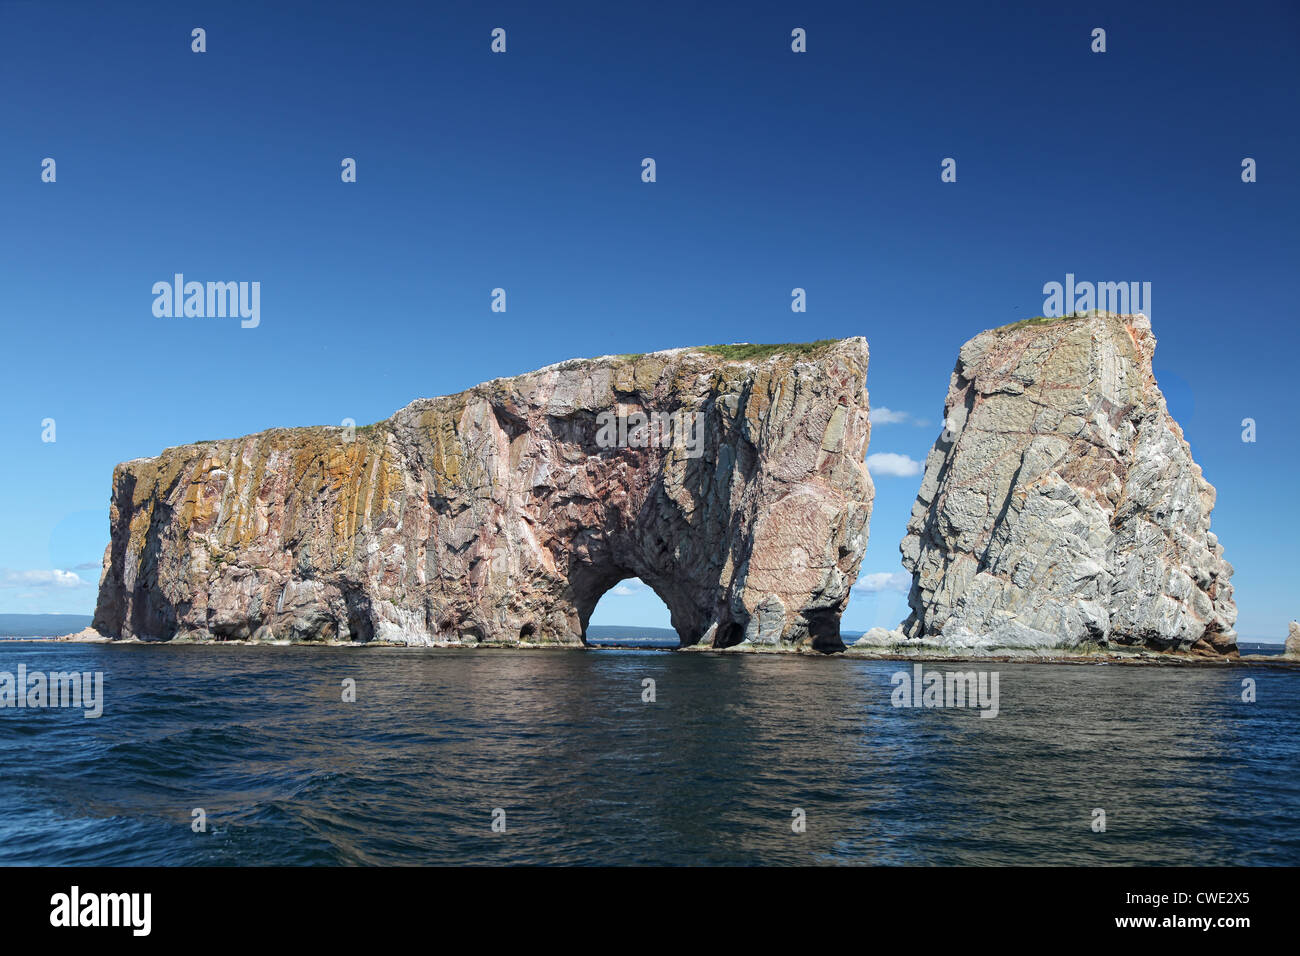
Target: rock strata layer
1061,506
503,513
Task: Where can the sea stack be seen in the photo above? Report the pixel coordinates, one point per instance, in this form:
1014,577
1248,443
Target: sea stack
729,479
1292,646
1061,507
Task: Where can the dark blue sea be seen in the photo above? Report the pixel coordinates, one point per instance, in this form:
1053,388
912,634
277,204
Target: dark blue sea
582,771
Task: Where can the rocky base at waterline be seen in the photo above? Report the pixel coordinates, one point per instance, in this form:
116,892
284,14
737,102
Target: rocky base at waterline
882,644
729,479
1061,506
91,636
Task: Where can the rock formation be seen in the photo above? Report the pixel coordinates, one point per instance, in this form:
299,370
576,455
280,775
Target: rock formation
1061,506
503,513
1292,646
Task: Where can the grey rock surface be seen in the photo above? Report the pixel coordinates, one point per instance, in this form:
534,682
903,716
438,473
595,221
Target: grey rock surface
1061,506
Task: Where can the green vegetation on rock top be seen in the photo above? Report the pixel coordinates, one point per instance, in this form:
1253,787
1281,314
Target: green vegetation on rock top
1040,320
738,352
746,351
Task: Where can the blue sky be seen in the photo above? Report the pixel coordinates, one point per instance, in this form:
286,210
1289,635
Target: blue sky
522,171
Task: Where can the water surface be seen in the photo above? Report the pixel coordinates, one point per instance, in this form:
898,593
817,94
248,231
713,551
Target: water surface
710,773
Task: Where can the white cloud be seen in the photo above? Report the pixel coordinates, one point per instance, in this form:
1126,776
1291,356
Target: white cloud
628,587
880,415
884,581
889,463
39,579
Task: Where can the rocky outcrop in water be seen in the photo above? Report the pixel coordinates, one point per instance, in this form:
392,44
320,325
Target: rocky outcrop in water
728,479
1292,646
1061,506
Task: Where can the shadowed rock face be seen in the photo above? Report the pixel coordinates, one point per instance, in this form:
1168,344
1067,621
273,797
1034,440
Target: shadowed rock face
1061,505
500,514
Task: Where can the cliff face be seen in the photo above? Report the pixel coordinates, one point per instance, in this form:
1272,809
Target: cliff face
1061,505
503,513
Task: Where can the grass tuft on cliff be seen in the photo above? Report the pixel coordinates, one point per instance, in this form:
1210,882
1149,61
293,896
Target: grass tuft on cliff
745,351
1051,319
1040,320
738,352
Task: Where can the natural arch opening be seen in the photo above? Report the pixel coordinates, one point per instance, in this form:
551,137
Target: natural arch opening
630,613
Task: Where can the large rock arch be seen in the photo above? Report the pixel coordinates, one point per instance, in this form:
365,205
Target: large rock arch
503,513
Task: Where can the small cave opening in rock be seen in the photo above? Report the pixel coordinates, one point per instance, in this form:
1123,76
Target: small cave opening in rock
824,629
730,633
360,623
631,614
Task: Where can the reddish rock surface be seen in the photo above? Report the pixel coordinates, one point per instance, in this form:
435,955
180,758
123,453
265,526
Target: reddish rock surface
501,514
